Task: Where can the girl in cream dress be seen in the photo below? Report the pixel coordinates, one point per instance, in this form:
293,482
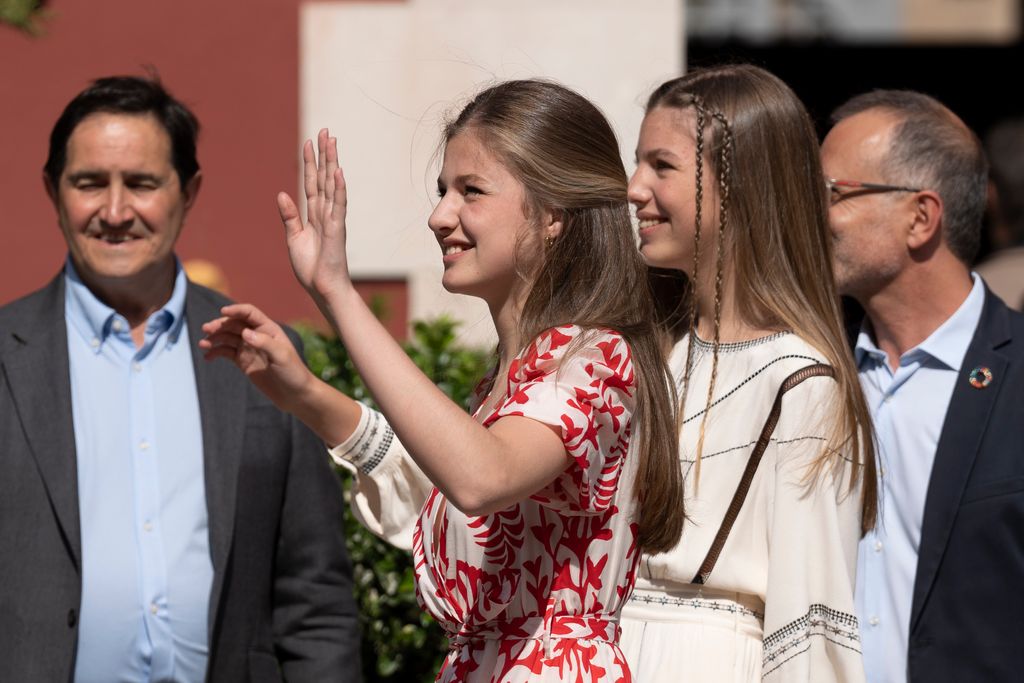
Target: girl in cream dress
728,190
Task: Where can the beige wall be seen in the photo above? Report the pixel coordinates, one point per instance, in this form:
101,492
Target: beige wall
382,76
985,21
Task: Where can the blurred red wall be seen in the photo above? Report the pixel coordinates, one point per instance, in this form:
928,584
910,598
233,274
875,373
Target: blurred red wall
234,62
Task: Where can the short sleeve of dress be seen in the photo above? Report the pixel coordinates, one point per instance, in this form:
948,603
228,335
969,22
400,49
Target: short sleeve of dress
582,384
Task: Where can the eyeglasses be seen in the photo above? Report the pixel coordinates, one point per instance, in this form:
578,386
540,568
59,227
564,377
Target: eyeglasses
855,188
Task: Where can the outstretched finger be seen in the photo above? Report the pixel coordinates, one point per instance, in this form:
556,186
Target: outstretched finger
226,326
265,343
290,215
331,157
340,203
248,314
308,170
222,340
215,321
215,352
321,162
214,326
245,329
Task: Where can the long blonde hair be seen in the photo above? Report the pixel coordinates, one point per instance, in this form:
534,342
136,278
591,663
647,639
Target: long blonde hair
563,151
773,232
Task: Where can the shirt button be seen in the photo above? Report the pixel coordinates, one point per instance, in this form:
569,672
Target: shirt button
117,326
882,471
72,618
136,367
143,445
148,526
874,621
94,343
153,609
878,546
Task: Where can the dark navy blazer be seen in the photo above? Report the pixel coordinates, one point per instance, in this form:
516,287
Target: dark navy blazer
967,616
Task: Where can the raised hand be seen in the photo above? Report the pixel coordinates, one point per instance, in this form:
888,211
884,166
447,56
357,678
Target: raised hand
317,247
260,349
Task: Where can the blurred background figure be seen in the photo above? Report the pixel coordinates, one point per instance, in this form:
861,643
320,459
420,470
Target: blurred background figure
1003,270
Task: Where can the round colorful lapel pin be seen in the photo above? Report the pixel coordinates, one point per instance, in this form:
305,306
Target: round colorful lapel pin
980,377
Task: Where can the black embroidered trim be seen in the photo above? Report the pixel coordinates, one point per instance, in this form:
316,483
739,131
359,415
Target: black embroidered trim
365,440
748,379
377,423
382,450
365,425
728,347
697,603
821,621
748,445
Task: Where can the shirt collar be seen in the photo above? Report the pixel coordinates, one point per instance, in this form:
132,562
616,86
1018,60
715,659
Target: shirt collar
95,319
866,347
947,344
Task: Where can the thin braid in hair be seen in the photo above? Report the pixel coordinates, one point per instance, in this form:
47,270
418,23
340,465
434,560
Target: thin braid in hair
703,114
724,183
698,220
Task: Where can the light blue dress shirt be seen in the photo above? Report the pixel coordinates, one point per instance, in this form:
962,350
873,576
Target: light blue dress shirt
146,568
908,407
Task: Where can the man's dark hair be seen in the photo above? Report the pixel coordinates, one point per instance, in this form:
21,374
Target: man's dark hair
128,95
931,148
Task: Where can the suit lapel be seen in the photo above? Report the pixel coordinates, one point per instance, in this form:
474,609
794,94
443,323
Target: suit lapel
962,432
38,373
222,404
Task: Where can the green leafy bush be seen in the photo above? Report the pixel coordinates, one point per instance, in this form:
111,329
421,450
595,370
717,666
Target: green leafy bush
23,14
400,642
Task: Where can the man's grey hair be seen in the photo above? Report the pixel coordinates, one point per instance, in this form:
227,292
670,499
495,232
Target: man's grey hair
932,149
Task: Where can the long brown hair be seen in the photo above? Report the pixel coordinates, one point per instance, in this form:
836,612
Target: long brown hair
773,233
562,149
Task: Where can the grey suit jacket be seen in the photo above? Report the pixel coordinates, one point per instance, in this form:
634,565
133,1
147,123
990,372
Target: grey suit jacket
281,604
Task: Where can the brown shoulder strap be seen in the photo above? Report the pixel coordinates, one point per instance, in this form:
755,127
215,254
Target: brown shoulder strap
816,370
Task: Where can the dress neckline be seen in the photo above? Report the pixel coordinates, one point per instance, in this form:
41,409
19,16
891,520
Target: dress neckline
729,347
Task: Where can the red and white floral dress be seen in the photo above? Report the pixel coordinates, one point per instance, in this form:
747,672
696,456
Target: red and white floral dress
531,593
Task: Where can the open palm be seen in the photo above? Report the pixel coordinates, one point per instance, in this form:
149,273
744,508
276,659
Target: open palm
317,247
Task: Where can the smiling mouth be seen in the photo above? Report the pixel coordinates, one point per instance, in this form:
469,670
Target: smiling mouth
649,223
113,237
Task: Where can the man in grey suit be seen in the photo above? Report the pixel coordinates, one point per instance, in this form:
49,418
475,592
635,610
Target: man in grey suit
159,519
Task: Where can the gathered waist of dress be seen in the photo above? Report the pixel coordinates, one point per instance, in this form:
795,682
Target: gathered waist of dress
574,627
702,598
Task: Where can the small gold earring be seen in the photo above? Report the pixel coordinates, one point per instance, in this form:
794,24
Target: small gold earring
549,241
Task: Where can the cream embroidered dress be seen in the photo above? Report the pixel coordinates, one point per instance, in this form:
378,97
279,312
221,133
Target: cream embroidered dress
778,605
533,592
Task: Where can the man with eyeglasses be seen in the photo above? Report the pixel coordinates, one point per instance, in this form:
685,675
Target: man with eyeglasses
941,363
